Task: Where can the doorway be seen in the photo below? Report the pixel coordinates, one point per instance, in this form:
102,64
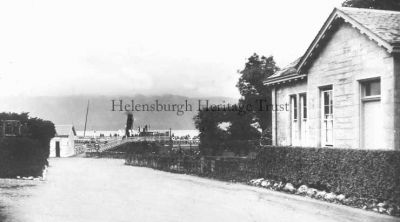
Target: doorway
303,119
57,148
294,125
371,108
372,125
327,116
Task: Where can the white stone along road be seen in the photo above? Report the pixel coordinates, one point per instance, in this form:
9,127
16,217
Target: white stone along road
79,189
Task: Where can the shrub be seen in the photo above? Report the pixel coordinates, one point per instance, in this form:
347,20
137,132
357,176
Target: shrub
21,157
241,147
361,173
25,155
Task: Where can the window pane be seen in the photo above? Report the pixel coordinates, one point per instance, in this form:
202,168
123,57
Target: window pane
326,110
372,88
326,98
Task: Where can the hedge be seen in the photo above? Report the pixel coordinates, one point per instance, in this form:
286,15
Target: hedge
25,154
222,168
21,157
360,173
369,174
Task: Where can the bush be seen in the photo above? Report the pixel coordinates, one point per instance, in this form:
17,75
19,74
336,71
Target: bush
241,147
359,173
25,154
21,157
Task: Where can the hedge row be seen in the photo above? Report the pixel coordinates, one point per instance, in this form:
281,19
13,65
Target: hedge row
232,168
107,155
359,173
21,157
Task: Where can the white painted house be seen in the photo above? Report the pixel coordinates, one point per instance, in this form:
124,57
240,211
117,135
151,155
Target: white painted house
62,145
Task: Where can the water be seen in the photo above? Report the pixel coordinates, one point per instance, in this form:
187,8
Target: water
180,133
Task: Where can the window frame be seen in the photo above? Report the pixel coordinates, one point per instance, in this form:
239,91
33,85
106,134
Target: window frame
303,106
363,84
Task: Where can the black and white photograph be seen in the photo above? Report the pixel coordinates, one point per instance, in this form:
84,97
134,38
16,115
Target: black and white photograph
199,111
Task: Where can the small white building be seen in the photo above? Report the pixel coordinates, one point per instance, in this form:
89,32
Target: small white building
63,145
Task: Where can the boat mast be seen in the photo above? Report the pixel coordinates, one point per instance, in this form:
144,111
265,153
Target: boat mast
87,111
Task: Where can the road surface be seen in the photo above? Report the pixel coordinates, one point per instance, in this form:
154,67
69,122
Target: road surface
79,189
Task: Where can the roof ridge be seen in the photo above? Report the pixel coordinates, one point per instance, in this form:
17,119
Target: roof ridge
367,9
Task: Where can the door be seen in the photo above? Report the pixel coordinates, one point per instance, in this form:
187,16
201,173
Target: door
57,148
372,127
327,117
303,119
371,111
294,124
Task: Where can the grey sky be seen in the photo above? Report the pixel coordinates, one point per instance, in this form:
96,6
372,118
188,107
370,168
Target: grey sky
183,47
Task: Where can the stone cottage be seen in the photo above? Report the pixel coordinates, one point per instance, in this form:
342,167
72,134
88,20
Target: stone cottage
344,91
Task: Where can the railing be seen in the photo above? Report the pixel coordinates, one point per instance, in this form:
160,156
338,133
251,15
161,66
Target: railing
101,147
98,146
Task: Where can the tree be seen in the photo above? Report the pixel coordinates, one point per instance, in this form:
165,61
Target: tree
393,5
211,136
241,128
43,131
38,129
253,91
245,125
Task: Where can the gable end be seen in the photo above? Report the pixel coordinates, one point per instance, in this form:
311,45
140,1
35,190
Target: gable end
336,19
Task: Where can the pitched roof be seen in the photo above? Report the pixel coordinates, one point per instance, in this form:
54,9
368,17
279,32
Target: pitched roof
385,24
287,70
381,26
64,130
288,73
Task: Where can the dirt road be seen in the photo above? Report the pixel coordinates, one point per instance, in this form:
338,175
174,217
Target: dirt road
79,189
